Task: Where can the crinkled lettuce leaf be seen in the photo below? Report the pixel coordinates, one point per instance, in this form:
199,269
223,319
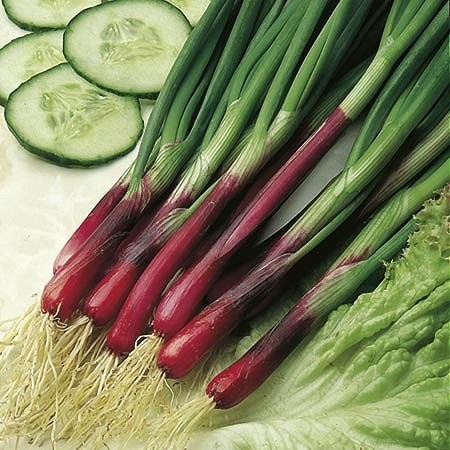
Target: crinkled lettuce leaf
375,376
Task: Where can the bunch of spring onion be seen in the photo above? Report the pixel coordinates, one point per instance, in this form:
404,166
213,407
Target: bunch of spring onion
303,76
183,299
380,239
248,75
198,118
134,378
127,377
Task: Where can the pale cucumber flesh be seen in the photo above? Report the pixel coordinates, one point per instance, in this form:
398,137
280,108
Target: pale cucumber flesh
27,56
126,46
60,116
192,9
44,14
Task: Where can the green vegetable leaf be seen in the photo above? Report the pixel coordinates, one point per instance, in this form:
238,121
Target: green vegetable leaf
375,376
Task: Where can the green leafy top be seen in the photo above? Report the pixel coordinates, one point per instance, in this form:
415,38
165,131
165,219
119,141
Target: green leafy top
376,375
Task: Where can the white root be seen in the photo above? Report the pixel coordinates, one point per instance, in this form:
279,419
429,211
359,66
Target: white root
127,398
174,430
41,363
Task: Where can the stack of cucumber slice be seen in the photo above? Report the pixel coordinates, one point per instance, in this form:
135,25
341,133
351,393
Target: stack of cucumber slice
87,112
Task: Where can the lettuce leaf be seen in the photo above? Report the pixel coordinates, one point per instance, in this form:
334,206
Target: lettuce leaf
375,376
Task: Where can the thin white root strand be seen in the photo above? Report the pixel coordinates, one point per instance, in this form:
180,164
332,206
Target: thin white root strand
121,394
14,333
92,379
174,430
23,365
149,396
44,361
193,386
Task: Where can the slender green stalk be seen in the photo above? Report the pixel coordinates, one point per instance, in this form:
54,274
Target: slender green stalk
395,212
264,38
228,63
270,9
330,44
336,57
188,87
171,158
286,122
196,41
414,106
433,117
424,153
317,57
401,14
391,48
362,269
188,116
370,33
280,83
410,65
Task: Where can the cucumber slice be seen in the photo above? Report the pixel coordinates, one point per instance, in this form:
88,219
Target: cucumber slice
60,116
192,9
26,56
35,15
126,46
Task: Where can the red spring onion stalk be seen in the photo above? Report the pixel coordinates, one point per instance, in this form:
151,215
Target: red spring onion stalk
69,285
228,311
195,283
145,294
92,221
243,377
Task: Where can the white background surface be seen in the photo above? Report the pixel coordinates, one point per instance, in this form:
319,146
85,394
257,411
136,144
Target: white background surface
41,204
